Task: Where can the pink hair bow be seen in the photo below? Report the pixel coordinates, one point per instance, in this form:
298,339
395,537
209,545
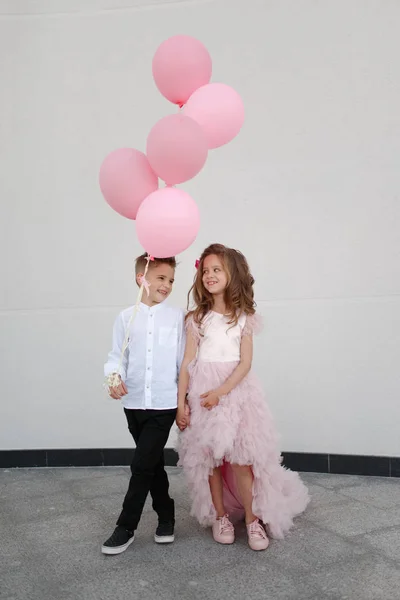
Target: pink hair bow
197,264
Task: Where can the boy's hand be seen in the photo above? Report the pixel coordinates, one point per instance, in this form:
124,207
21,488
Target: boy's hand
183,417
180,420
118,391
210,400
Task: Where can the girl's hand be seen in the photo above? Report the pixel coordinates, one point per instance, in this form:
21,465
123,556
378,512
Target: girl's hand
187,414
210,400
118,391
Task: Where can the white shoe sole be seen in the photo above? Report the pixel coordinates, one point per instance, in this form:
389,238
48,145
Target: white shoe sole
258,549
224,542
118,549
164,539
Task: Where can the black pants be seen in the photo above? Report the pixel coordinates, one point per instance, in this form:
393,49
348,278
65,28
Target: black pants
150,430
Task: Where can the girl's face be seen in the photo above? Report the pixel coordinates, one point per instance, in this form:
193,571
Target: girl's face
215,278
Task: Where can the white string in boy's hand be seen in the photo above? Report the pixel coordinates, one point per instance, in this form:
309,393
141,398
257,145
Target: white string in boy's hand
117,391
210,400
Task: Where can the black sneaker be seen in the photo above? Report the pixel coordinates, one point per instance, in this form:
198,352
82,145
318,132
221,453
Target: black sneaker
165,533
119,541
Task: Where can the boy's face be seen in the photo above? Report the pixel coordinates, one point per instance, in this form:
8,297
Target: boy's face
161,280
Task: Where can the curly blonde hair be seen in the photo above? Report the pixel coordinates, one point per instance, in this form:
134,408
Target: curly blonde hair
239,293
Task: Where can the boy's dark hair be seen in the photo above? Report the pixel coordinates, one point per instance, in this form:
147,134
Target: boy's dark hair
141,262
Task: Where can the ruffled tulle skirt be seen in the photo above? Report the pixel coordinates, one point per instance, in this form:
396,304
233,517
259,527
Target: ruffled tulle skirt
239,430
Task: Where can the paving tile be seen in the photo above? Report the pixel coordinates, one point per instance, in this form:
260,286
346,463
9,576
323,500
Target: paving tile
53,522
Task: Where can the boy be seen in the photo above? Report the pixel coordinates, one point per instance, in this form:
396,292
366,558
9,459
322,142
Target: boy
148,388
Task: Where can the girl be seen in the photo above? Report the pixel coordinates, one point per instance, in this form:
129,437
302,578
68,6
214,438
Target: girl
228,446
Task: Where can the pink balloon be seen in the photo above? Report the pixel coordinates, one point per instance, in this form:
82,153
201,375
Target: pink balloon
126,179
176,149
219,110
167,222
181,65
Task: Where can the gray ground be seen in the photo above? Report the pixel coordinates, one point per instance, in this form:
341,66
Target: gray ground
53,521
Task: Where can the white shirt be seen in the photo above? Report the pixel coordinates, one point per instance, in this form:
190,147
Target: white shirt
151,362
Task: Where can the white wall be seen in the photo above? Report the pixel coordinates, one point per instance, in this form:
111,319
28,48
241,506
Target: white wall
309,192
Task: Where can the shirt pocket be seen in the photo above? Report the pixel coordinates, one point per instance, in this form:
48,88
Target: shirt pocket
168,337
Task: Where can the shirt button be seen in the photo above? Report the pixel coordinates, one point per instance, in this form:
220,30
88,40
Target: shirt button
149,350
150,332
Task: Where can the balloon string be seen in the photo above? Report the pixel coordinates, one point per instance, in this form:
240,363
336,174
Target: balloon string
180,107
113,379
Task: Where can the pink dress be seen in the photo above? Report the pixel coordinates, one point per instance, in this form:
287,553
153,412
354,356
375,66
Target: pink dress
238,430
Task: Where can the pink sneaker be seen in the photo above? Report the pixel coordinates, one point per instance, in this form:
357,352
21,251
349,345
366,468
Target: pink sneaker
223,531
258,539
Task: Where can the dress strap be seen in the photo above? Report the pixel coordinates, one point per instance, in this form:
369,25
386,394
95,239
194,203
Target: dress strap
192,328
253,325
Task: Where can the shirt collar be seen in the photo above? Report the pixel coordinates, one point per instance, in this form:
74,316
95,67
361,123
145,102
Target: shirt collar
151,309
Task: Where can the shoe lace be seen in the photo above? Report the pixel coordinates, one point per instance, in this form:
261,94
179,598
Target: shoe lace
225,526
257,530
